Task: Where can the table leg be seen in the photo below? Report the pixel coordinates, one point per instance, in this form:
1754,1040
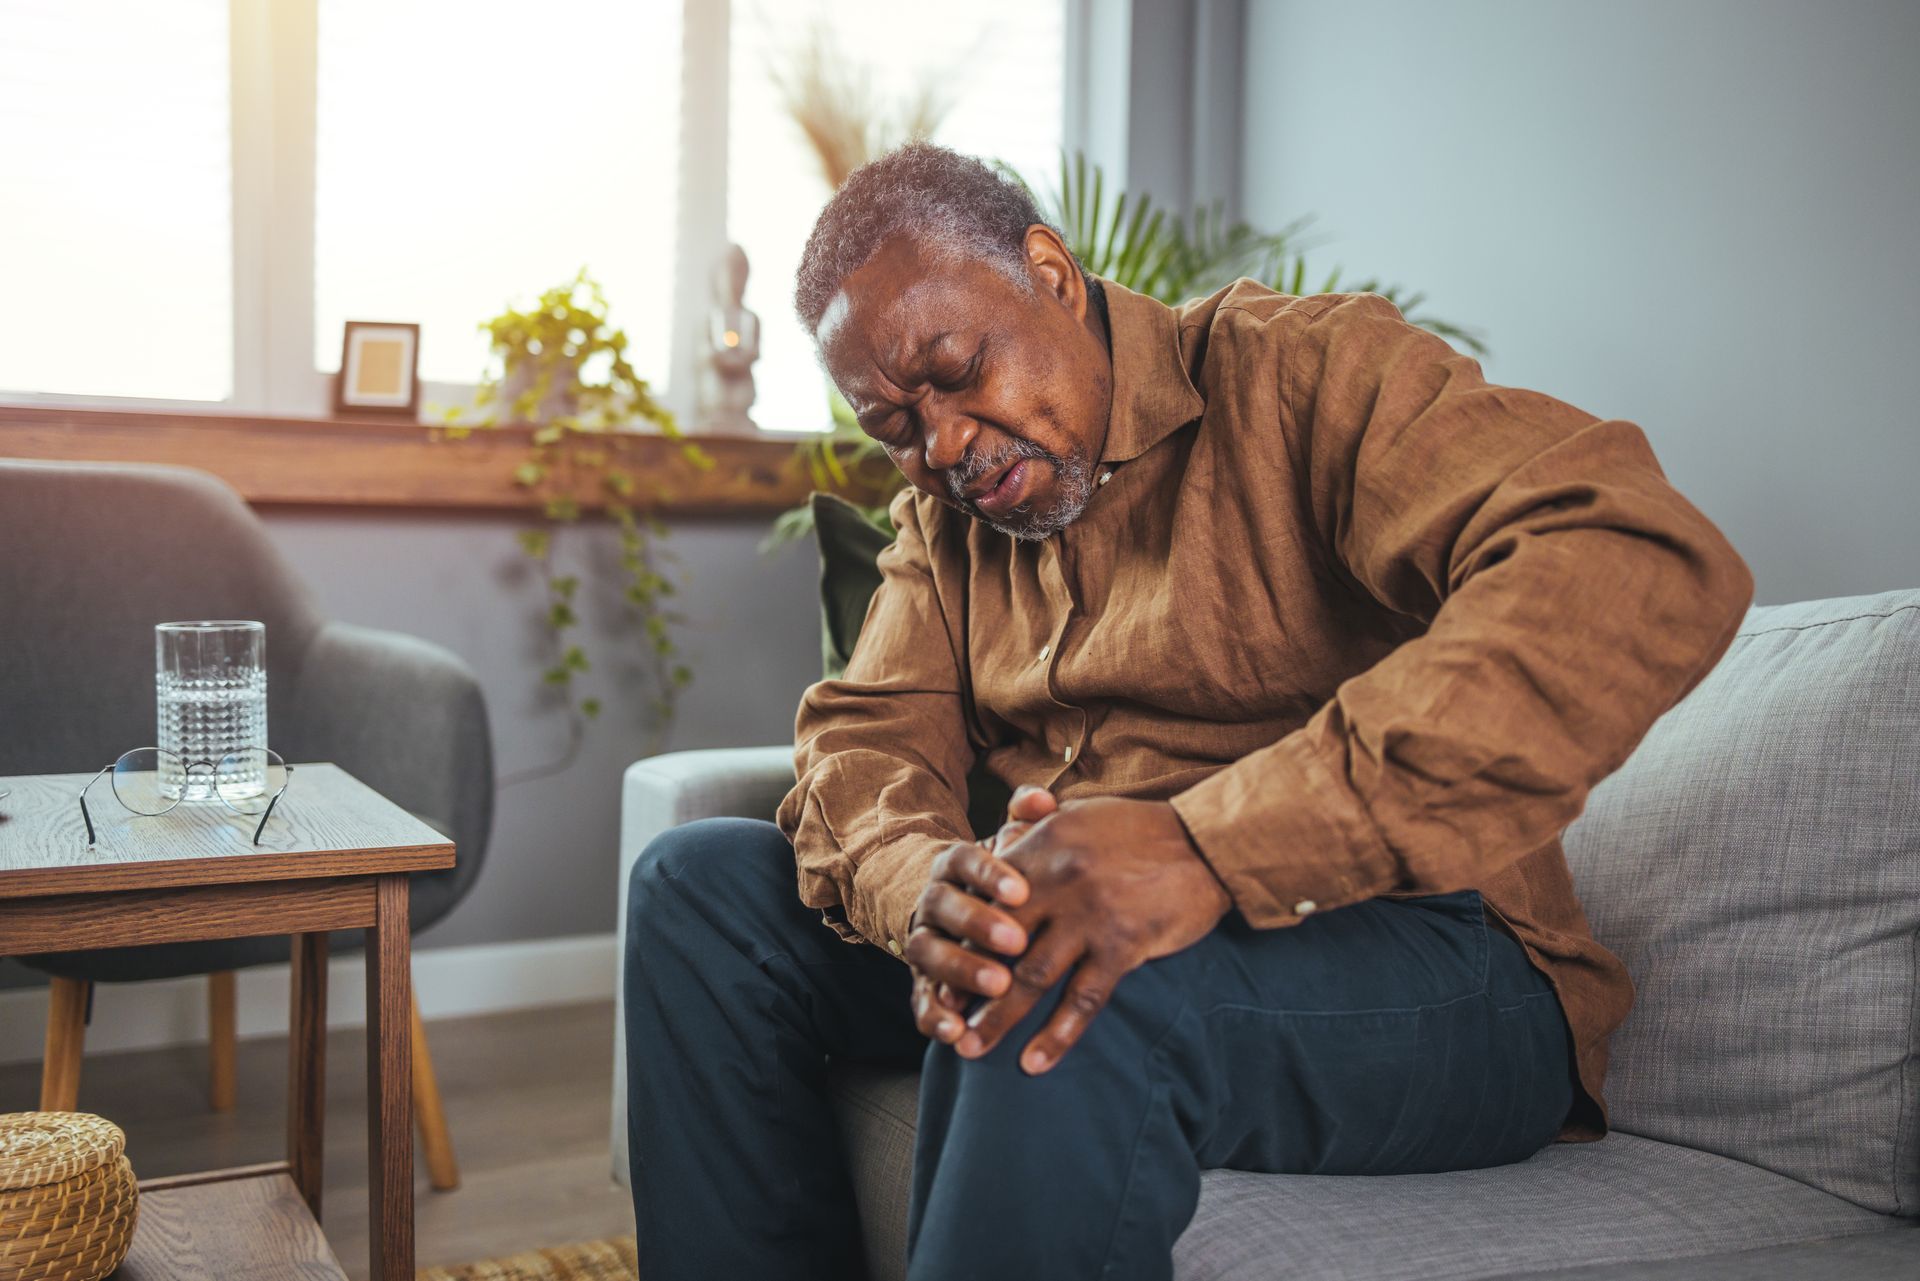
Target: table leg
70,999
307,1067
389,1069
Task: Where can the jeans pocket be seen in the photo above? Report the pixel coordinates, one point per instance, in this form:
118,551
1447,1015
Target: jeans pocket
1468,908
1468,904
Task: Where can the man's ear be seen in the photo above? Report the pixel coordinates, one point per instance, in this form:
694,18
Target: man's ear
1055,270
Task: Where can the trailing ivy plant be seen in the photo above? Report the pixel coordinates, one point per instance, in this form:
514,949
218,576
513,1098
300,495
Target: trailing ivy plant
1126,238
562,367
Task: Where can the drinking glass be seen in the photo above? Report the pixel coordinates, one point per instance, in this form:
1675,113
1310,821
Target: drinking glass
210,680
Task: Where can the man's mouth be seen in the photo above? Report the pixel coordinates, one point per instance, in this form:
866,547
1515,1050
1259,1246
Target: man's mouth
1001,490
986,483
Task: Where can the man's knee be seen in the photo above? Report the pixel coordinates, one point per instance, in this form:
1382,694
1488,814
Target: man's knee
1131,1020
724,862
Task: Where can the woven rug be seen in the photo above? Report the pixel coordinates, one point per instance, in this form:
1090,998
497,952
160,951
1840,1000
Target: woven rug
609,1260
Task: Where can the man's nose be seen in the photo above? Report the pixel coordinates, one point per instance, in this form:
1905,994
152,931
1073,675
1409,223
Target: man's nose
946,434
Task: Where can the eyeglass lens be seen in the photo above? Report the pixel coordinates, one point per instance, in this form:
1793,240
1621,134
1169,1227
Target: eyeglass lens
142,778
249,779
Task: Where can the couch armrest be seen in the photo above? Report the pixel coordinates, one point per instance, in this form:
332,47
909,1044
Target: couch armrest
666,791
679,787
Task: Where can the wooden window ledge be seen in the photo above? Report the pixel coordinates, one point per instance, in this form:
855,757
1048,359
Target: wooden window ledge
343,462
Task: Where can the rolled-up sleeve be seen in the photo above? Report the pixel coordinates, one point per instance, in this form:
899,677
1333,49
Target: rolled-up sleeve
881,754
1571,596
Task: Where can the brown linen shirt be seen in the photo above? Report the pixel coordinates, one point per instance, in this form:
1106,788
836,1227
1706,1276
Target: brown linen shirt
1373,625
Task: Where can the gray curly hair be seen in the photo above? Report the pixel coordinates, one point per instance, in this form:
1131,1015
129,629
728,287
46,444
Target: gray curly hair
952,204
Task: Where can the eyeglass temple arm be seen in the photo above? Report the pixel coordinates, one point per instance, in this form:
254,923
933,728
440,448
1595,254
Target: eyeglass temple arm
270,804
84,815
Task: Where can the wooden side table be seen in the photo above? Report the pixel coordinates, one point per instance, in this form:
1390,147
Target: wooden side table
335,856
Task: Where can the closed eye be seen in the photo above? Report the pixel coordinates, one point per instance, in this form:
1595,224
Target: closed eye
893,425
884,425
962,378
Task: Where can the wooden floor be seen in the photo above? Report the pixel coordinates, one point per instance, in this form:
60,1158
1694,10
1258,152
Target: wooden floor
527,1098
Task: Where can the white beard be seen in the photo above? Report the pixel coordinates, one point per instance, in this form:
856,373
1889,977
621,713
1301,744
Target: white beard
1072,477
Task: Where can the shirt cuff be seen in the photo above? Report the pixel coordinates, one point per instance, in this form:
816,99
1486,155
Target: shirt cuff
1285,833
887,885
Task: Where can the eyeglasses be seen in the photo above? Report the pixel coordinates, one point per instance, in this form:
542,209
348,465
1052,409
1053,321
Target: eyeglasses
150,781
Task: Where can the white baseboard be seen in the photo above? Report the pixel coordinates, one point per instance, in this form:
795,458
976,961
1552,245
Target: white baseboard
484,978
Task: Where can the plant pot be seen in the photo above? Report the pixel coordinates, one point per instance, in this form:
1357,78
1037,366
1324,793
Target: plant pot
561,401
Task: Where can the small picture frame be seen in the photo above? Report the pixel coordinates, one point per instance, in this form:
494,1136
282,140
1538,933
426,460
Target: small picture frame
379,369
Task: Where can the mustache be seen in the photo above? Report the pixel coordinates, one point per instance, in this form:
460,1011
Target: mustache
963,474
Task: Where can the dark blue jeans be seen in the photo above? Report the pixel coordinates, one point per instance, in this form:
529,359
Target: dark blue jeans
1388,1037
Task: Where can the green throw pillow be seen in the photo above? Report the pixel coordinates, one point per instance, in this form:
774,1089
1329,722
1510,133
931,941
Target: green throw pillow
850,545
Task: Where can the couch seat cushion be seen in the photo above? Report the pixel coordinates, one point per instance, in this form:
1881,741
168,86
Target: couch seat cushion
1872,1256
1623,1199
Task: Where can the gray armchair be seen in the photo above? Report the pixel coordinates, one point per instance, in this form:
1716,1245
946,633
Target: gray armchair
1756,863
95,555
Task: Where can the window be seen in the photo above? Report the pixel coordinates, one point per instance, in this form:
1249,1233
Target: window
116,244
473,155
1000,66
196,195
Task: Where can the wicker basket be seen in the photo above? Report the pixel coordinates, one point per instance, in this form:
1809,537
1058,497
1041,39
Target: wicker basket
67,1197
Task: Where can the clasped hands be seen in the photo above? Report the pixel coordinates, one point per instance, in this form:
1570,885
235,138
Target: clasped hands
1092,888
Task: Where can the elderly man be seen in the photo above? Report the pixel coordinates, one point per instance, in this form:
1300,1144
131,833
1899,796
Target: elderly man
1302,644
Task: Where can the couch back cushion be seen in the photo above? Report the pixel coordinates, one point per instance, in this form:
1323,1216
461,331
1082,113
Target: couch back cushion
1756,864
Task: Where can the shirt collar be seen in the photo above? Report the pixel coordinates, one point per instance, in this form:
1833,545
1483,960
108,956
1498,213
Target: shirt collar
1153,394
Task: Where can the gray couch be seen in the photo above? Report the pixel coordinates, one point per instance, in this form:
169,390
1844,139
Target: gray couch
1756,863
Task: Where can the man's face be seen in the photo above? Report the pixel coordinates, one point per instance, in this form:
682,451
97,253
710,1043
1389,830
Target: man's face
990,396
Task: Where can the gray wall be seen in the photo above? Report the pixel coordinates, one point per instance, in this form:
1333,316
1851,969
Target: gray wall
752,637
1699,216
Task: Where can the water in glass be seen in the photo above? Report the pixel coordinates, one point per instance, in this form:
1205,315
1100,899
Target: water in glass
211,685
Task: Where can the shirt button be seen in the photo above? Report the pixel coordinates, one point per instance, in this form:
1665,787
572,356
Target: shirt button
1044,651
1067,755
893,945
1304,906
1105,476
